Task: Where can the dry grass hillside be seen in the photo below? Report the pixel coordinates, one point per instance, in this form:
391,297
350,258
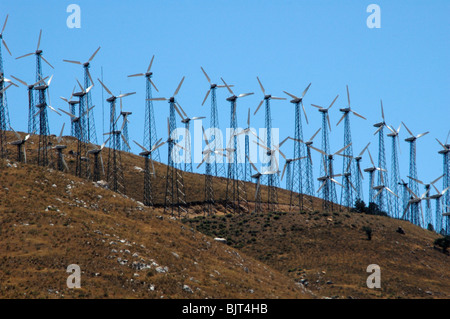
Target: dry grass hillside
50,219
329,253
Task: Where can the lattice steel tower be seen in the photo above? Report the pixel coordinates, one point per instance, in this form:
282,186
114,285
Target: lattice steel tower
115,177
395,172
348,168
414,216
4,112
236,195
217,167
150,137
301,178
328,188
90,122
383,200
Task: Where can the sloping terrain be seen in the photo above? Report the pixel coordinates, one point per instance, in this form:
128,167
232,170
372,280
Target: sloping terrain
329,253
49,220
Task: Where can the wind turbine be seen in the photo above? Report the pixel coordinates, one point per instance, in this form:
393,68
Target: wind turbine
187,154
217,168
32,127
302,177
20,143
150,136
359,175
348,170
91,133
371,171
395,170
97,152
148,154
236,192
258,176
383,200
428,220
4,112
413,185
328,179
209,152
61,163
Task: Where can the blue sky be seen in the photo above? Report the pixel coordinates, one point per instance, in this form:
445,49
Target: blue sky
288,44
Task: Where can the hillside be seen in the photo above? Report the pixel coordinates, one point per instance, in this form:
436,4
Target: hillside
329,253
49,220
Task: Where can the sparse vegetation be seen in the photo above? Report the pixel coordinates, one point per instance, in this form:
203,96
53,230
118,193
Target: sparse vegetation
443,242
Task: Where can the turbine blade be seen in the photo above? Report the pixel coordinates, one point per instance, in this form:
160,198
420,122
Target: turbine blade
341,119
260,84
304,112
306,90
292,95
74,62
333,102
152,83
104,86
4,24
93,55
47,61
179,86
4,43
206,75
39,40
25,55
259,105
348,96
206,96
408,129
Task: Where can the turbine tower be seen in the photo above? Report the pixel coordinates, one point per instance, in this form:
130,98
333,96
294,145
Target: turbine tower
150,136
413,185
3,123
97,152
217,168
395,171
147,154
328,187
209,155
272,198
258,176
309,190
44,130
439,210
371,171
348,170
60,162
39,57
236,192
81,170
383,199
32,125
175,195
301,180
114,173
246,131
428,218
359,175
20,143
72,109
272,179
4,112
90,125
125,115
328,179
446,172
187,139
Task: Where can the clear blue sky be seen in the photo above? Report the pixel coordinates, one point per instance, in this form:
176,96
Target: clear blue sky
288,44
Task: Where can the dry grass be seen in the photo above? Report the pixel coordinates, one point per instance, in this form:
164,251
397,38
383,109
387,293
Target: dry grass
316,247
331,252
49,220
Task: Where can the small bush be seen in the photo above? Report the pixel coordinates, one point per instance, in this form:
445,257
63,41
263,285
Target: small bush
368,232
